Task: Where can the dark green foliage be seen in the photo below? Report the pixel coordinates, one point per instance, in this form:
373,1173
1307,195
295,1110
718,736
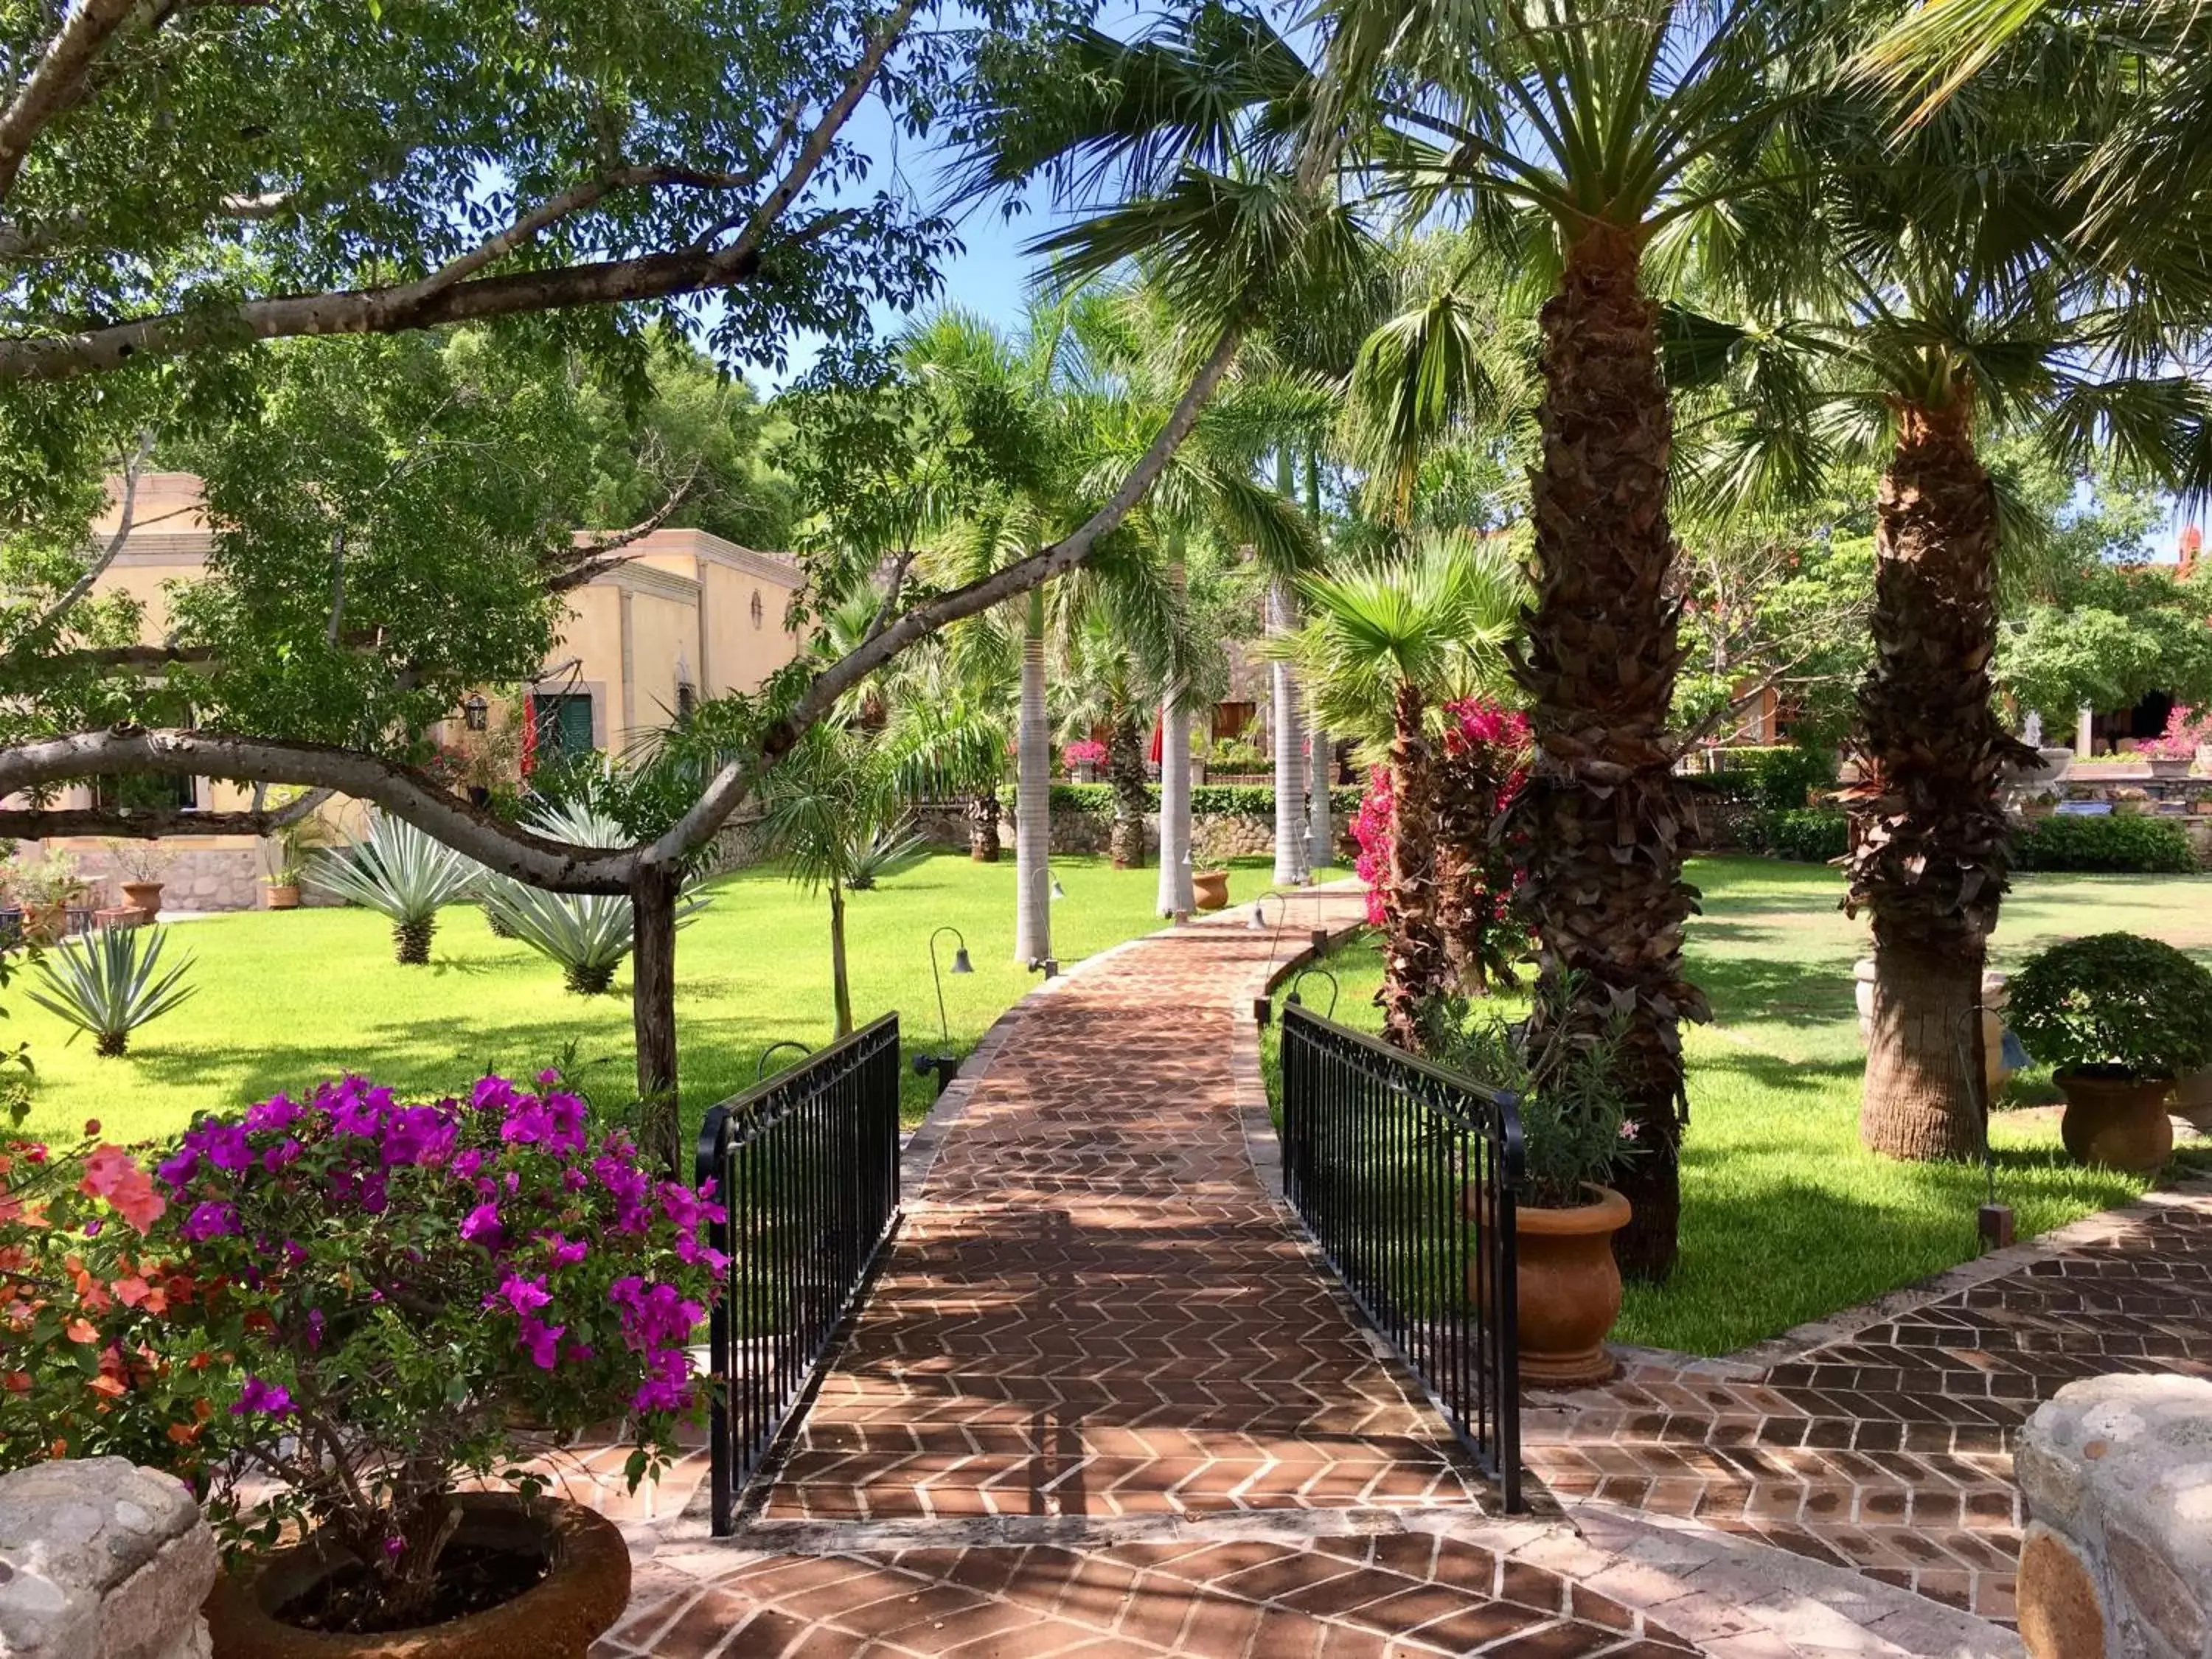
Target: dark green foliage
1207,800
2114,999
1779,778
1809,835
2131,845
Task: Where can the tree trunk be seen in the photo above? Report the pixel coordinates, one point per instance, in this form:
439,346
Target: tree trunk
653,1009
1291,869
1033,799
1125,769
1929,859
1415,967
410,941
840,983
1176,898
1605,816
1320,777
983,825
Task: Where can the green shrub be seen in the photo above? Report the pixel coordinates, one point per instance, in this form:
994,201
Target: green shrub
1807,835
1083,800
1778,779
1207,800
2114,999
2126,845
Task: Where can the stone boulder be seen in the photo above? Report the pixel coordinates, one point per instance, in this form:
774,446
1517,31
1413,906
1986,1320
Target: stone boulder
101,1559
2117,1560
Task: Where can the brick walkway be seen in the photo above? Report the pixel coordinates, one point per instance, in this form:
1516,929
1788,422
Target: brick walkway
1096,1323
1887,1447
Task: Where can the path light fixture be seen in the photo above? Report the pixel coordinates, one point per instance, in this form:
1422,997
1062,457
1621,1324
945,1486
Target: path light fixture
1315,968
1994,1222
944,1063
476,713
1263,1006
760,1065
1058,891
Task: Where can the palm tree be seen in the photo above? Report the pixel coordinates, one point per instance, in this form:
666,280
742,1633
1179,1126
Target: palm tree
1945,291
826,809
1383,645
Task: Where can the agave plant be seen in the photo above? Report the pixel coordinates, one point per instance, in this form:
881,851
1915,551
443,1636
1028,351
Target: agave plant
891,853
112,983
400,873
587,934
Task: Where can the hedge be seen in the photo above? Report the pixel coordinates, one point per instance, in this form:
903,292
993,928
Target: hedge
1809,835
2131,845
1207,800
1775,778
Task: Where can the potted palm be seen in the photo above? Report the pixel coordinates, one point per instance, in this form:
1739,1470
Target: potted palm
2118,1017
284,860
1574,1135
418,1298
142,865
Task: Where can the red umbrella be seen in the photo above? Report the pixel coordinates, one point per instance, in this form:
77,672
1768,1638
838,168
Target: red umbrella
1160,744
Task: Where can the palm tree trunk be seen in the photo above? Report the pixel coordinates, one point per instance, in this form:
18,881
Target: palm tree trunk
1321,829
983,825
1176,897
1320,774
1929,858
653,1009
1604,814
1415,968
410,941
1290,868
1125,769
1032,799
840,983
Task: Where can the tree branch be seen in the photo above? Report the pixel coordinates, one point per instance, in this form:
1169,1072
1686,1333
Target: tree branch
591,558
403,791
54,85
32,825
132,466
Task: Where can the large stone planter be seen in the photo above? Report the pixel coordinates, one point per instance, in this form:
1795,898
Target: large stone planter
99,1559
586,1587
2192,1100
2116,1562
2171,766
1569,1286
2114,1117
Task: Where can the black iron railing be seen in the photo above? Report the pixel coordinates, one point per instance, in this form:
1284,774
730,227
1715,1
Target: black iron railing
1405,1174
807,1173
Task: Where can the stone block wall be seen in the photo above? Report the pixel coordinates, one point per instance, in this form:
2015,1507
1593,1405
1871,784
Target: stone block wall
101,1559
2117,1563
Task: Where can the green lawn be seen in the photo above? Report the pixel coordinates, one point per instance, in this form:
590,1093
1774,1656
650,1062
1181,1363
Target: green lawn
1785,1217
285,999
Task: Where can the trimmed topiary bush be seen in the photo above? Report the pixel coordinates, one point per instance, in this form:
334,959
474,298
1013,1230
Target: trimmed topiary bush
1779,778
2128,846
2115,999
1807,835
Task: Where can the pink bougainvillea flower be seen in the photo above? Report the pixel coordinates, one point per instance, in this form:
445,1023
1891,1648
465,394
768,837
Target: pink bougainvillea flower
112,1173
265,1398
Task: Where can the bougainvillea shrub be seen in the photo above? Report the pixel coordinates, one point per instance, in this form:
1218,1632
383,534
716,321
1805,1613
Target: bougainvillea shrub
1485,763
385,1298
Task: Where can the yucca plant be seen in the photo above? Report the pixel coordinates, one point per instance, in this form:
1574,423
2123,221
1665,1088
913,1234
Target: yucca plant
895,851
587,934
112,983
402,874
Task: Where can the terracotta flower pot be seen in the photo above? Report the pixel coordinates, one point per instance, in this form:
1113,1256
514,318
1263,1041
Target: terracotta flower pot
2192,1100
586,1587
281,895
2114,1117
45,924
145,897
1209,888
1569,1286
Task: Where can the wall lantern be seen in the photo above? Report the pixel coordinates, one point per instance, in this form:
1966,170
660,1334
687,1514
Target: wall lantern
476,713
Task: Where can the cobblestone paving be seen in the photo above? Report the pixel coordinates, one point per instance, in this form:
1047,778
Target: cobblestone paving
1095,1317
1888,1449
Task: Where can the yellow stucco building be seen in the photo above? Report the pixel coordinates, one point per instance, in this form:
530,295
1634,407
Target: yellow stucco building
687,615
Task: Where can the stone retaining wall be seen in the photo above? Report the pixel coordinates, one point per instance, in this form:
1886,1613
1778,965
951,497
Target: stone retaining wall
2117,1563
101,1559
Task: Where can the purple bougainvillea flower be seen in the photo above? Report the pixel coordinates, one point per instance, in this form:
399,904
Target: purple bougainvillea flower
481,1226
213,1219
524,1296
560,1252
491,1093
541,1341
267,1399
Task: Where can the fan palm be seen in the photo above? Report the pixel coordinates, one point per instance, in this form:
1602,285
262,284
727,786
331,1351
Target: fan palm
112,983
403,875
1946,292
1383,644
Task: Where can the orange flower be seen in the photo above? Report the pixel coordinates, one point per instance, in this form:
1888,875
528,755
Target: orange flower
78,1330
15,1382
183,1434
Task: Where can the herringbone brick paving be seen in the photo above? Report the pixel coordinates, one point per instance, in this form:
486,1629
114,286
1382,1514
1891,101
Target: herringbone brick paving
1094,1311
1889,1450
